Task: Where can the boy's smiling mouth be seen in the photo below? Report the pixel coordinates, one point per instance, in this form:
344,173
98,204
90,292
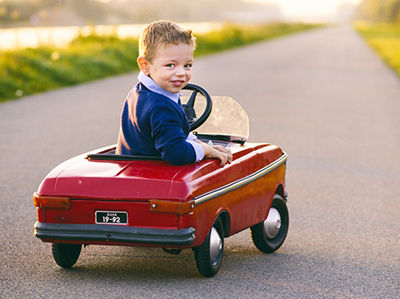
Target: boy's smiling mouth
178,83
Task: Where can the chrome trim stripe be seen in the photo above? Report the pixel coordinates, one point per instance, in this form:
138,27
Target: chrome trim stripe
242,182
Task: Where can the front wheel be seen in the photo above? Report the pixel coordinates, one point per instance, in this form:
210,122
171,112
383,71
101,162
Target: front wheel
65,254
209,255
270,234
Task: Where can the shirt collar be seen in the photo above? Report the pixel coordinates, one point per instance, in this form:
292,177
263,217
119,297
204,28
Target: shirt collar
153,86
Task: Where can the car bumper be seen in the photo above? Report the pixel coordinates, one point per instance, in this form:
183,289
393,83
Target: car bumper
113,233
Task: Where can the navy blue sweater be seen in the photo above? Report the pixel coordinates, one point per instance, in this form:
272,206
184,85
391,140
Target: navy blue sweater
152,124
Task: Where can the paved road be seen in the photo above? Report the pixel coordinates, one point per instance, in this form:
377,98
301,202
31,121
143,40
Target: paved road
323,96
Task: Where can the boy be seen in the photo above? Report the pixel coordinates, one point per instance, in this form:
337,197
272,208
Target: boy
153,121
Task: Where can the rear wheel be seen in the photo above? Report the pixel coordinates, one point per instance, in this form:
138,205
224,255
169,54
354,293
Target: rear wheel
270,234
65,254
209,255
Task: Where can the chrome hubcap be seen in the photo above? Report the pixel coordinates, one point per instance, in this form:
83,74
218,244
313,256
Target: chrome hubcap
272,224
215,243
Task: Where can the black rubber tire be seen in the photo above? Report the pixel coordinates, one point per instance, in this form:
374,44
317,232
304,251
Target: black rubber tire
65,254
258,235
207,266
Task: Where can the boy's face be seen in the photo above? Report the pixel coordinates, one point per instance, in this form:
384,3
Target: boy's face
171,67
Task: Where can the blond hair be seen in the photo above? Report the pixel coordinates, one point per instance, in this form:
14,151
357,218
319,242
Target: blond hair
163,33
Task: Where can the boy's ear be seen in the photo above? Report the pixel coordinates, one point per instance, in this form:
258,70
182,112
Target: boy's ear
143,65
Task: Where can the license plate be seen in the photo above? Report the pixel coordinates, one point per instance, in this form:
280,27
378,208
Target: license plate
110,217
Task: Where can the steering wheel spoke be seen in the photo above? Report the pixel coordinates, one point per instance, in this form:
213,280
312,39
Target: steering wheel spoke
192,98
195,121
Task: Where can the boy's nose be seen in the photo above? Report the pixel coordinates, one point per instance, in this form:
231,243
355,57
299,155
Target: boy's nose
180,72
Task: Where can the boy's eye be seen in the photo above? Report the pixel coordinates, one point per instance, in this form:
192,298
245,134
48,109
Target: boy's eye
189,65
170,65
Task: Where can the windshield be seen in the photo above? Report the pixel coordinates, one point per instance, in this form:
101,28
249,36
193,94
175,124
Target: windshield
227,117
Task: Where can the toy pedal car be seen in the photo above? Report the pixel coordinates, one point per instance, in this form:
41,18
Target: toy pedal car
101,198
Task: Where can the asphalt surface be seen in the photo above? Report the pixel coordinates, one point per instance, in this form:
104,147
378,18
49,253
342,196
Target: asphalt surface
323,96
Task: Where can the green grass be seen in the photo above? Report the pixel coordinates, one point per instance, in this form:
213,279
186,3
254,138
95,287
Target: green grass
29,71
385,40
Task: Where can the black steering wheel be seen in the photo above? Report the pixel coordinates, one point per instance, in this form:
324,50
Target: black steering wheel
194,121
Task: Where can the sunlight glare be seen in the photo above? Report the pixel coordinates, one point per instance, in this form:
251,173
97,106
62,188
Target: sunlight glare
308,8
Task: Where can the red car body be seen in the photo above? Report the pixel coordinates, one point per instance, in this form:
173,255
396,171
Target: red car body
107,199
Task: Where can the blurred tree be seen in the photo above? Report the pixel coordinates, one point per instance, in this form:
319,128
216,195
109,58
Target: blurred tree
379,10
392,10
90,10
369,10
16,12
76,12
184,10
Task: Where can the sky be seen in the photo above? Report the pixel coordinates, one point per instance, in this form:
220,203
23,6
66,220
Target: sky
308,8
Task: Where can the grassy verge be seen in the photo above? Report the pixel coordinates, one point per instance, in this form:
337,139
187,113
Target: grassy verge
385,40
29,71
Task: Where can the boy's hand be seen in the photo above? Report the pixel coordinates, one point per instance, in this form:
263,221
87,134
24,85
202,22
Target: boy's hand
218,152
221,153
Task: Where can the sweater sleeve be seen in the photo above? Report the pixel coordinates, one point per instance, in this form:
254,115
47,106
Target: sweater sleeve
170,139
197,147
